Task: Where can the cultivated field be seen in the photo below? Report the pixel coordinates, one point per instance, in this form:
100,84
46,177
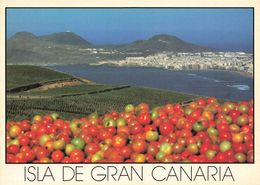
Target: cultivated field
45,91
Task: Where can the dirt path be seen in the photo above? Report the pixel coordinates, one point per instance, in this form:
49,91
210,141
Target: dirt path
66,95
46,87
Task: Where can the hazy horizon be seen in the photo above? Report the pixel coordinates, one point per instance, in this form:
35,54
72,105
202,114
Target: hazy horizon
228,29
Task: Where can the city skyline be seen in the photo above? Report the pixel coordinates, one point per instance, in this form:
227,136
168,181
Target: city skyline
221,29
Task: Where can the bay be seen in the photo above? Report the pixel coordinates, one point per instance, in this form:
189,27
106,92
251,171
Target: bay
221,84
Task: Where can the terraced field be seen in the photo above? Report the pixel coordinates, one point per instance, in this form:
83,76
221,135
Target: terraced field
20,75
74,100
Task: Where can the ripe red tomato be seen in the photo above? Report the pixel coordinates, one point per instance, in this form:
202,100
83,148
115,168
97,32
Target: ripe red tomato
77,156
42,153
157,121
29,155
251,111
136,129
46,119
24,140
223,127
42,129
211,100
92,130
13,149
92,148
139,146
200,131
208,115
166,128
125,151
169,108
204,148
116,158
220,157
66,160
162,114
64,136
57,156
119,141
144,118
143,107
25,125
239,147
104,134
250,145
225,136
196,114
201,102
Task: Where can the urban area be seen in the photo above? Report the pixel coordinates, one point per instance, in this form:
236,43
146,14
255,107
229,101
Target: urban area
232,61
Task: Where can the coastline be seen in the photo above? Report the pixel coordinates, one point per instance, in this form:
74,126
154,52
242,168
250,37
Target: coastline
244,74
170,86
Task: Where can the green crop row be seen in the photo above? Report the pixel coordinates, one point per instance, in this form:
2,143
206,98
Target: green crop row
85,104
20,75
83,88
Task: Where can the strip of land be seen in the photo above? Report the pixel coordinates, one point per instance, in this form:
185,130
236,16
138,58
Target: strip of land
72,97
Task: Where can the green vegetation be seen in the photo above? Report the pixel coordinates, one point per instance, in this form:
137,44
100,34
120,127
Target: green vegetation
85,104
25,75
67,38
96,97
83,88
69,48
161,43
57,48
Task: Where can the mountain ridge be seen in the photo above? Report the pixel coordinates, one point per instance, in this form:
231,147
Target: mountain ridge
68,47
66,38
164,42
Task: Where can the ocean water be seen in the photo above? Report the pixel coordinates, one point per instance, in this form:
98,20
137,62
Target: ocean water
221,84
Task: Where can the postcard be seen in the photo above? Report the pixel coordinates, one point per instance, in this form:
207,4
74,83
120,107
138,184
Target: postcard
129,94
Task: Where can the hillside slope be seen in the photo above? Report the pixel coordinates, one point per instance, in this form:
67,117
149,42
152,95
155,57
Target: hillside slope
78,100
160,43
69,48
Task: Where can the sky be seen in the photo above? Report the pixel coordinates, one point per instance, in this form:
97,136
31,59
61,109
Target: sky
221,29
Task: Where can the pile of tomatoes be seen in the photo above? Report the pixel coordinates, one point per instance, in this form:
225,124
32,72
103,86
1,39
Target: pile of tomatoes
203,130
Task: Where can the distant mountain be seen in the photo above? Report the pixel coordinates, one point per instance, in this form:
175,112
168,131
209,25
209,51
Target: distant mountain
22,40
160,43
23,36
69,48
62,38
57,48
68,38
